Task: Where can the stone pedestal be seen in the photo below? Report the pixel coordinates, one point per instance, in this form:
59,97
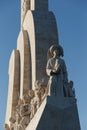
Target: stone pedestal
58,114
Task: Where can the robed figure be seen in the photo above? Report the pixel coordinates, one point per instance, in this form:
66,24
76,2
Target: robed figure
57,71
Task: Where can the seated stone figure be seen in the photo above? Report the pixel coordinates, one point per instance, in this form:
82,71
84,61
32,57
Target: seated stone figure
57,71
43,90
25,111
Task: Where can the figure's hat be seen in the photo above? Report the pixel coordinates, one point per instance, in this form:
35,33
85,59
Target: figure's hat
57,47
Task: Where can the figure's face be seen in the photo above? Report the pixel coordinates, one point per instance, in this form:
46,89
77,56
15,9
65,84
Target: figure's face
56,52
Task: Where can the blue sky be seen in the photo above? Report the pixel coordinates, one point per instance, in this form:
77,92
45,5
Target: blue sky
71,17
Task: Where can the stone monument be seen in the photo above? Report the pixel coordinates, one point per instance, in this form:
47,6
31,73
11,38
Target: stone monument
40,96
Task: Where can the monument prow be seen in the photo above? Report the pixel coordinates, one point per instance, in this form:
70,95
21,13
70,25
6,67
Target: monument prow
33,5
40,96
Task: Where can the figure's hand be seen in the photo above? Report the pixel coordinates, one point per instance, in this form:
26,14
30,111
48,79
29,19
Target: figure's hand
53,73
58,69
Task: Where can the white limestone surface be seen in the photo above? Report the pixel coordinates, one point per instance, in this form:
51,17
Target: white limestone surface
13,88
25,62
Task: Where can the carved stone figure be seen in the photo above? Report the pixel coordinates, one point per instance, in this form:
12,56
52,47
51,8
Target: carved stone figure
18,107
37,95
25,111
43,90
17,121
12,123
71,90
57,71
26,99
24,122
32,103
40,90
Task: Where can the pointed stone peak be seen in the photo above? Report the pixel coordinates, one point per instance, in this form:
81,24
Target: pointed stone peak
41,5
34,5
